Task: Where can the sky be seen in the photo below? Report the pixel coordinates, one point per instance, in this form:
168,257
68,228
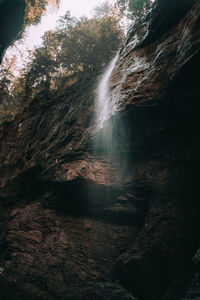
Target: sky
33,39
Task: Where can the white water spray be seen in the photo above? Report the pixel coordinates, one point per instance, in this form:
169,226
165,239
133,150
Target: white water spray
110,136
104,104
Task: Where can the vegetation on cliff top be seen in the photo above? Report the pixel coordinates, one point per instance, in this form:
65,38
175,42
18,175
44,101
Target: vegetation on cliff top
134,8
76,46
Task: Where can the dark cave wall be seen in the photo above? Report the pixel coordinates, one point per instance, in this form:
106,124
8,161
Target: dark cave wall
11,22
163,96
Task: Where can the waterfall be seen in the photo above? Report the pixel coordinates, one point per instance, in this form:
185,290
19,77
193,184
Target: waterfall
127,20
104,103
110,132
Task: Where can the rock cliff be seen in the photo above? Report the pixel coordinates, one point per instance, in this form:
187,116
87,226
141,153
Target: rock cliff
158,92
68,217
11,22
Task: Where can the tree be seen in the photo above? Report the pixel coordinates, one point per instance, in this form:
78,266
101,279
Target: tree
103,9
78,45
35,9
6,97
4,84
67,22
76,48
39,72
134,8
89,44
139,7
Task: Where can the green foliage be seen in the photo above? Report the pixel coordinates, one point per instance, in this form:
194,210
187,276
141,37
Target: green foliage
139,7
102,10
90,44
9,103
67,22
4,84
78,45
38,74
135,8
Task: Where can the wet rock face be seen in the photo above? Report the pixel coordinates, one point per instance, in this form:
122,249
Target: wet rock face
66,218
165,15
70,217
157,89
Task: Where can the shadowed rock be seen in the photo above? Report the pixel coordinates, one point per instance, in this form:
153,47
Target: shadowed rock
11,22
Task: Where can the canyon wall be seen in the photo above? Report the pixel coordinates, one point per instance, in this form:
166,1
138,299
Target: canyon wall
156,83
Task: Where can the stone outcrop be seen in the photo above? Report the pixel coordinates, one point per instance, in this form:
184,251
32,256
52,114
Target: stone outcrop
157,89
11,22
69,216
65,219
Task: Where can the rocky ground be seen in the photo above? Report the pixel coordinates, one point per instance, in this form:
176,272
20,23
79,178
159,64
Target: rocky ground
49,251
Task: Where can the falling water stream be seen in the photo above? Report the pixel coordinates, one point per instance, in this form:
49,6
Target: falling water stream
110,131
104,104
